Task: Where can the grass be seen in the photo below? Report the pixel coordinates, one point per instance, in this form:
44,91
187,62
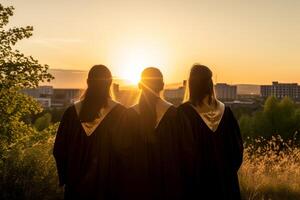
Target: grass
271,170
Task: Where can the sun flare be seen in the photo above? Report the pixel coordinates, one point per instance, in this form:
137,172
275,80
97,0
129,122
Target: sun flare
134,64
136,57
132,76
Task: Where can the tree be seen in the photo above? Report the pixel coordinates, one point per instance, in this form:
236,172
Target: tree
277,117
43,122
27,169
17,72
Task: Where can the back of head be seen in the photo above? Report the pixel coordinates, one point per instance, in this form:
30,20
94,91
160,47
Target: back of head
151,80
201,85
151,84
97,93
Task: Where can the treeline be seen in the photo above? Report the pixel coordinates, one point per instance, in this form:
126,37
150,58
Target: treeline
277,117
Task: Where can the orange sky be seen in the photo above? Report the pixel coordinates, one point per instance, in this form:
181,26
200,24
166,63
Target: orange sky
242,41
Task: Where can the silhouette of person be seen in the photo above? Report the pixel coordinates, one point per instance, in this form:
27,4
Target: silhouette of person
87,141
157,167
211,143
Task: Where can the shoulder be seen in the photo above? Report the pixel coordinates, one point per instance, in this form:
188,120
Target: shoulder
229,113
171,112
69,115
133,110
130,114
70,110
172,109
163,106
184,108
120,107
118,111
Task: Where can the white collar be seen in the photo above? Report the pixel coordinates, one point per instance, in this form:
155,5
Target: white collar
90,127
162,107
212,116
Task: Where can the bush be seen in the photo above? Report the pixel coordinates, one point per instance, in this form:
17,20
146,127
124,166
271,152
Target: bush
43,122
28,168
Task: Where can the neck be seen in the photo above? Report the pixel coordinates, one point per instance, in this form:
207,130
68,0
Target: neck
151,94
209,101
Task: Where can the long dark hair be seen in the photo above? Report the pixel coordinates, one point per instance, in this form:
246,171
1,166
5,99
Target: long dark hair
201,85
97,93
151,84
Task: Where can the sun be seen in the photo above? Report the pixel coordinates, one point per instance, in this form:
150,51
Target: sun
131,75
134,58
133,66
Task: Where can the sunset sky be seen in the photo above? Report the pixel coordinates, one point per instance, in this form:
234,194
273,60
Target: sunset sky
253,41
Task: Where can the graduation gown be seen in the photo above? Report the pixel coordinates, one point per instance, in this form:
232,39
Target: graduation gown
89,166
156,159
210,159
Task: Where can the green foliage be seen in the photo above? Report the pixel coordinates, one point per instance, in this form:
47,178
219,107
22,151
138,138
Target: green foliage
57,114
27,168
43,122
277,117
17,70
13,107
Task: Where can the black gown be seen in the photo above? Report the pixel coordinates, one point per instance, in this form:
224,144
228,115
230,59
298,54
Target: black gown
210,160
91,167
157,173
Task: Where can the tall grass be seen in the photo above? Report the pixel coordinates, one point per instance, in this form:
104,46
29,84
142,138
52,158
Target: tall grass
271,170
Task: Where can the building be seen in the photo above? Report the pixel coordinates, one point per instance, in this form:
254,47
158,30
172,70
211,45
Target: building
65,97
39,92
48,96
175,96
45,102
281,90
225,91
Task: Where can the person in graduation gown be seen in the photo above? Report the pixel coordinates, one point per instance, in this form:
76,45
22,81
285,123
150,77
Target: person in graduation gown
87,142
157,167
211,143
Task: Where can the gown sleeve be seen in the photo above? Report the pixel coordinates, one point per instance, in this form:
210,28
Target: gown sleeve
60,147
237,143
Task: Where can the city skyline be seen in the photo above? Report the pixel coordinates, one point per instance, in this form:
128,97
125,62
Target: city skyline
77,79
243,42
242,95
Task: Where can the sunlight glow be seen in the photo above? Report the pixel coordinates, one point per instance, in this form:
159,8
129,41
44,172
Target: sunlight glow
132,76
134,63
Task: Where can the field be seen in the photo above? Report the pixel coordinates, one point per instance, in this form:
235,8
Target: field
270,171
